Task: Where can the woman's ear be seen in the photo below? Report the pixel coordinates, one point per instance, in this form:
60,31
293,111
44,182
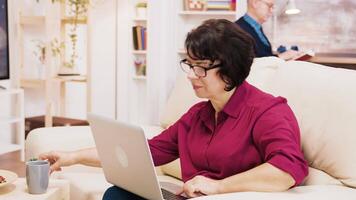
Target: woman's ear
227,82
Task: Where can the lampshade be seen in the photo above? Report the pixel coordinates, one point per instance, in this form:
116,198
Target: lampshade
291,8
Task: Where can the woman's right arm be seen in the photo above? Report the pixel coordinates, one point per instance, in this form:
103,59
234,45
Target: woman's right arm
59,159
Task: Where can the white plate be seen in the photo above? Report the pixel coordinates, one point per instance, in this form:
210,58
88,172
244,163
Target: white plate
9,177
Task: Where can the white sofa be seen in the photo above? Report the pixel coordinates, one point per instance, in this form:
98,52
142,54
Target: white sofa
323,99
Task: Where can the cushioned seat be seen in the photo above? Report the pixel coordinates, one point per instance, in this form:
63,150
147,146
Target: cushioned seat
323,99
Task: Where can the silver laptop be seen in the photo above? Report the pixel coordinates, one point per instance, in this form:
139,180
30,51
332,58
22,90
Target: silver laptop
126,158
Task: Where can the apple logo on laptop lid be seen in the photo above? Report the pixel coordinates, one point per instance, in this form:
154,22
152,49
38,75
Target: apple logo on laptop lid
121,156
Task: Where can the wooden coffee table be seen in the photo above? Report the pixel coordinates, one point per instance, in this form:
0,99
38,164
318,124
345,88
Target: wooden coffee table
57,190
12,161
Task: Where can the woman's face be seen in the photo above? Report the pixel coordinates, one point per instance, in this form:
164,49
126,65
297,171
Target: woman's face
209,86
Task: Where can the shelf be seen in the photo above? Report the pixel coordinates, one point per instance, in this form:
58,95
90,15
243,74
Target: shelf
9,120
10,91
139,77
208,13
77,78
70,20
32,83
32,20
36,83
140,52
6,148
140,19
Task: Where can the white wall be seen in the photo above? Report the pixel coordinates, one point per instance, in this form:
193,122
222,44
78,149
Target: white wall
102,57
113,92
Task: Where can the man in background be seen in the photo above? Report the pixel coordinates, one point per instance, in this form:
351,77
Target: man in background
258,12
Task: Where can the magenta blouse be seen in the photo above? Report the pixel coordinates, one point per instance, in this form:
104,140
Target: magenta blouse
253,128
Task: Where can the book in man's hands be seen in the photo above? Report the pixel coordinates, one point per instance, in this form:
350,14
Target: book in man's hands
304,56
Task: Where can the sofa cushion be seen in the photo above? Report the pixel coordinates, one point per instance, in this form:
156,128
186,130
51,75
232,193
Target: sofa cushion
180,100
318,177
46,139
86,186
91,186
172,169
323,99
313,192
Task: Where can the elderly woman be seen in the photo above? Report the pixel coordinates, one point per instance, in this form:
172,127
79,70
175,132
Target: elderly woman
241,139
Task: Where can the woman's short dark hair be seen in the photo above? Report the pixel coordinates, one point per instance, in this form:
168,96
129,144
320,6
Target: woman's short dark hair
224,41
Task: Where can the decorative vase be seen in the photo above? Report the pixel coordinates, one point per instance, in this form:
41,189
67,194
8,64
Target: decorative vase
67,71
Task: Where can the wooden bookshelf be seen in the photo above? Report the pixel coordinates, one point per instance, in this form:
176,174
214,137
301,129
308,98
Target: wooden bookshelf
54,25
32,83
79,78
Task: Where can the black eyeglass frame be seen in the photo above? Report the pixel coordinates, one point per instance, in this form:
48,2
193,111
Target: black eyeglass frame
211,66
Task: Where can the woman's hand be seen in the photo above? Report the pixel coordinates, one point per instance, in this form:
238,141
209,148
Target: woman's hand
201,185
59,159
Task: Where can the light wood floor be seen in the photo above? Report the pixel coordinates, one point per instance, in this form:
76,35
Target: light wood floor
11,161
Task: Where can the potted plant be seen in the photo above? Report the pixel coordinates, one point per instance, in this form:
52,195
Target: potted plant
78,9
141,10
40,54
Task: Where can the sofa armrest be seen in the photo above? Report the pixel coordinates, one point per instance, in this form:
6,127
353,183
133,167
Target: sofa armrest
68,139
60,139
151,131
57,138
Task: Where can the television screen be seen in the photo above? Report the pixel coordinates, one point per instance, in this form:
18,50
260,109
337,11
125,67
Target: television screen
4,42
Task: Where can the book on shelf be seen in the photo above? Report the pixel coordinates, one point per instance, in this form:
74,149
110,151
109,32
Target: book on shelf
139,36
134,38
304,56
233,5
223,5
143,37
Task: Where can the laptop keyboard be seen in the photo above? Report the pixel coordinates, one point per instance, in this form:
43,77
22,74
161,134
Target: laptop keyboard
167,195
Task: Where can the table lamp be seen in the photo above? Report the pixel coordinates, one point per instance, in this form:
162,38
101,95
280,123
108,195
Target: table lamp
291,8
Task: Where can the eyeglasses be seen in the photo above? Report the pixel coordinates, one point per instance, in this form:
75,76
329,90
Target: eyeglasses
268,4
199,71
